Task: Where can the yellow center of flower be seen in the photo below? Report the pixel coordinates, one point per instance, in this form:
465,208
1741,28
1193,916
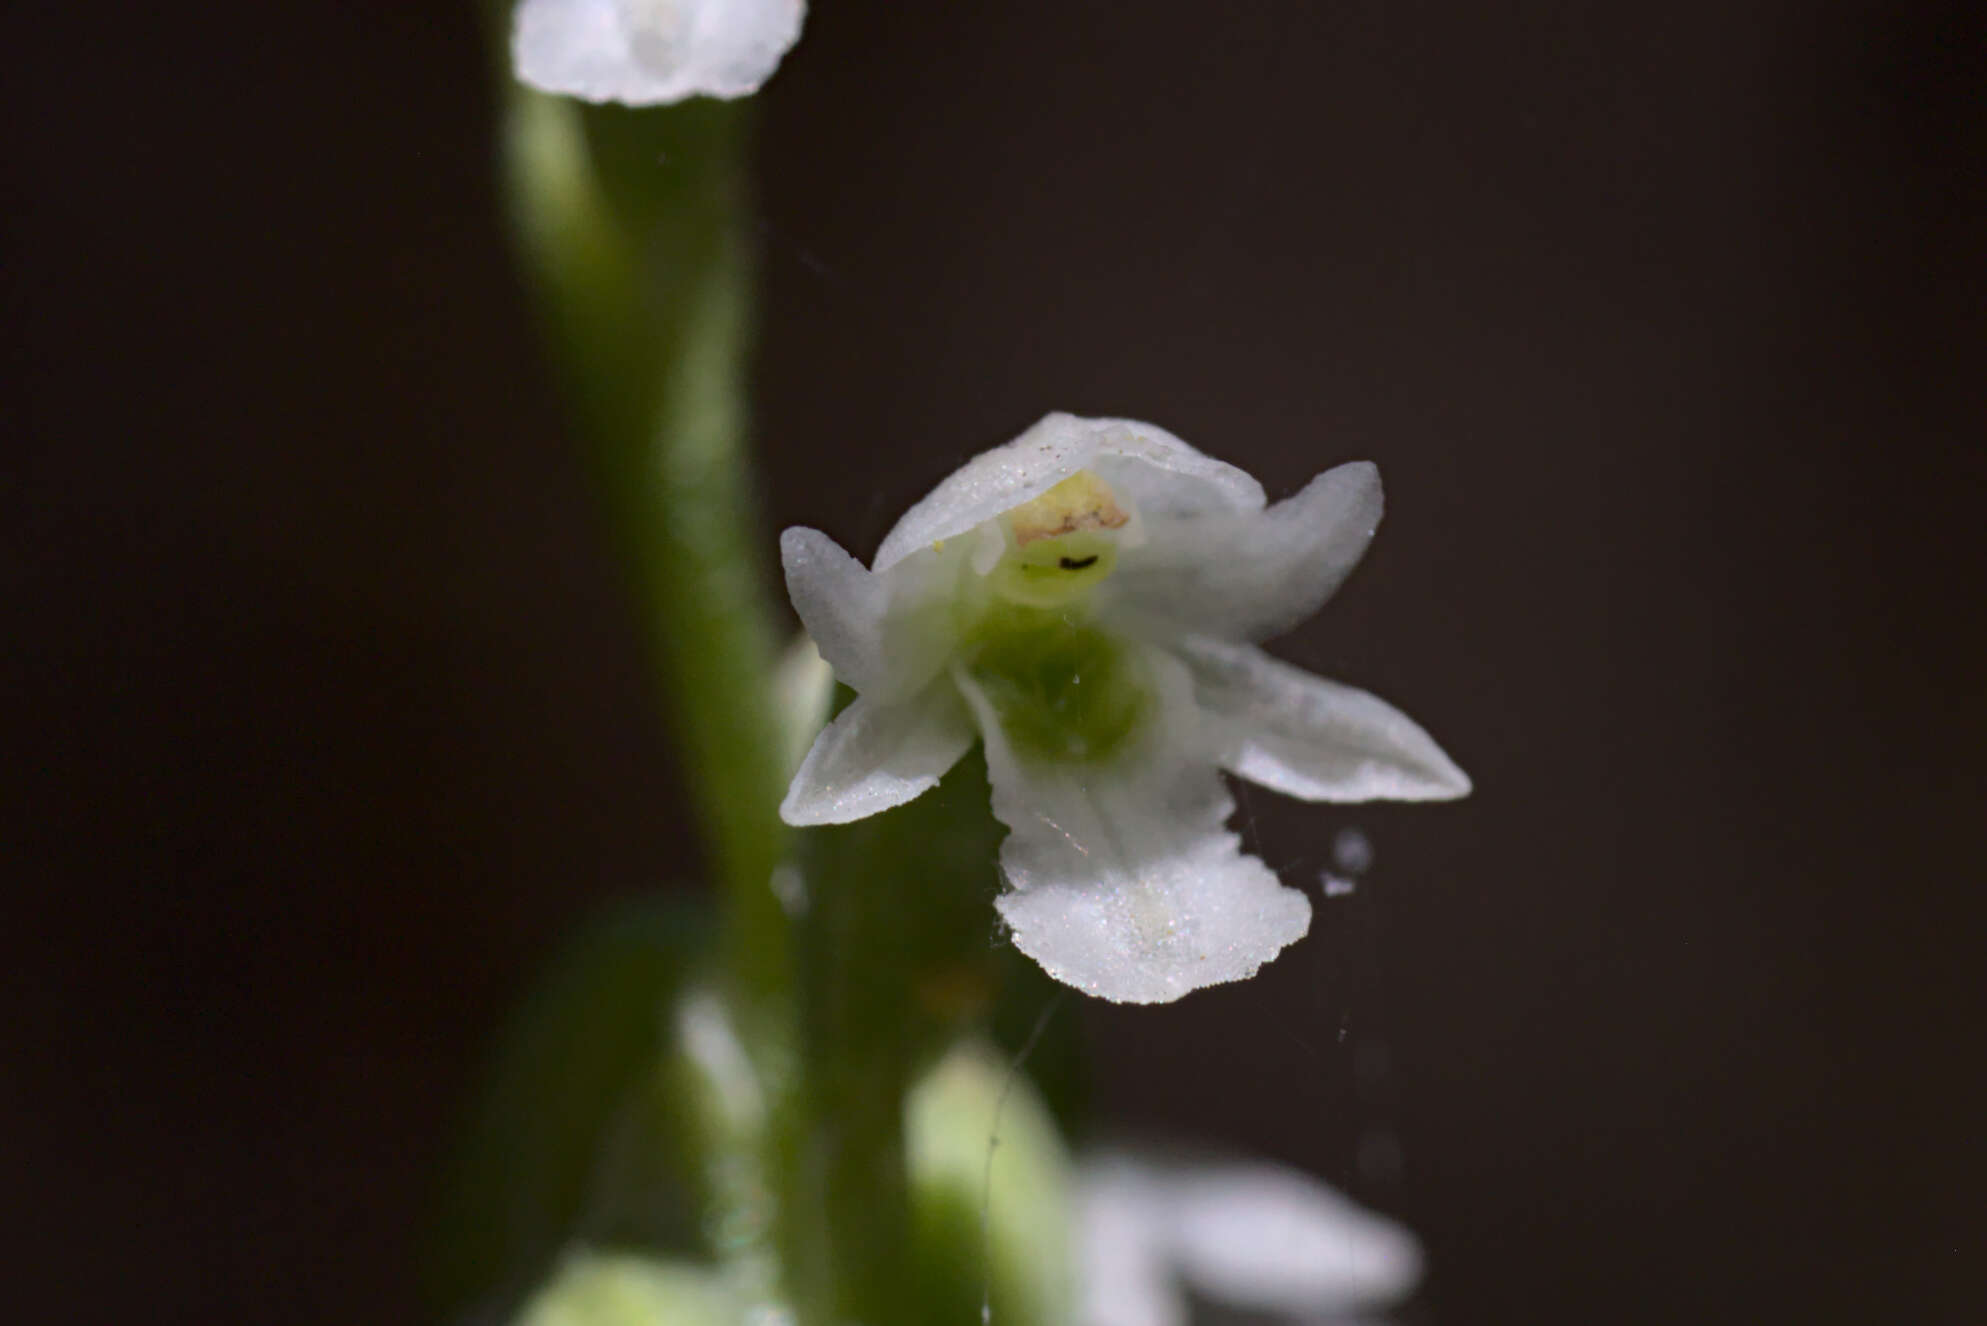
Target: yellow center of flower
1065,689
1061,543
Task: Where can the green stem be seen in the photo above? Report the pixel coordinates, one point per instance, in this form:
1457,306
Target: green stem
629,224
896,958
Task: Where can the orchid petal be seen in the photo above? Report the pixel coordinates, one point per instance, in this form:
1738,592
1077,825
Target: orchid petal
576,48
1124,880
644,52
1272,1239
875,630
877,755
1307,737
1253,574
737,43
840,603
1150,464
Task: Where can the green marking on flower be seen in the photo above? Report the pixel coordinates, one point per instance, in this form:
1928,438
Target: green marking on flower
1064,689
1061,544
1053,572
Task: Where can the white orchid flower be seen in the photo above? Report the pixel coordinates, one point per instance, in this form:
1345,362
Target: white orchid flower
645,52
1247,1235
1084,600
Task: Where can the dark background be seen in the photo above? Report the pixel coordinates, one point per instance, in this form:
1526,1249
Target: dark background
327,713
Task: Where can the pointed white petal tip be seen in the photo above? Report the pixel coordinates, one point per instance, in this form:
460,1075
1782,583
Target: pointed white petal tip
1304,736
875,756
1251,575
839,603
648,52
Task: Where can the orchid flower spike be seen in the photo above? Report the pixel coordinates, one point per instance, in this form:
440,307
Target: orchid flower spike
1248,1235
646,52
1083,600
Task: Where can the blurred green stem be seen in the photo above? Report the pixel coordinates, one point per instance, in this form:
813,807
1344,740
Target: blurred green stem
895,962
629,226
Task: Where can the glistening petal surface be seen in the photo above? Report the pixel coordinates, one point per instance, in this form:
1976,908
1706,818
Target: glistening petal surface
1250,575
1123,878
1307,737
876,755
1148,461
740,42
576,48
645,52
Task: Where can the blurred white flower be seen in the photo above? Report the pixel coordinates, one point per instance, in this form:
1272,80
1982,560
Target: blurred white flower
1251,1236
644,52
1084,600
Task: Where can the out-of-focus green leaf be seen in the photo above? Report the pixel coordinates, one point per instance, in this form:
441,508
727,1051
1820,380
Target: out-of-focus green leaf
897,956
571,1139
